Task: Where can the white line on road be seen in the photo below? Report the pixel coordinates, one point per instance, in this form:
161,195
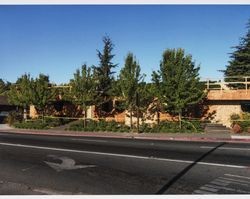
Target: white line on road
219,183
225,148
51,192
122,155
237,176
202,192
208,189
233,181
227,189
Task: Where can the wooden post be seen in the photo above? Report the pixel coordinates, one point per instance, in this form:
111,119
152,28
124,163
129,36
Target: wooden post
246,83
137,109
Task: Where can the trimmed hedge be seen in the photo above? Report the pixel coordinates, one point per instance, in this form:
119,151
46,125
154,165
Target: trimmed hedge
163,127
37,124
41,124
101,125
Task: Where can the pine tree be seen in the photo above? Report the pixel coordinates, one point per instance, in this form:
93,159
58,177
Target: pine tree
104,72
239,65
129,79
177,82
83,88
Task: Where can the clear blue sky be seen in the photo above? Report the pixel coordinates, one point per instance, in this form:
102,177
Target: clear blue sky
56,40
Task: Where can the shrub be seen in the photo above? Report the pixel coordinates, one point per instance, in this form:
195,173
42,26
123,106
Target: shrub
53,122
102,125
36,124
244,125
41,124
14,117
173,127
235,116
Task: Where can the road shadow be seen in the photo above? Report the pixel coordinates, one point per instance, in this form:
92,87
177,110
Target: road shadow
185,170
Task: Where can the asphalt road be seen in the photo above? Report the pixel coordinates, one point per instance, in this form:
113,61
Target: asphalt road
32,164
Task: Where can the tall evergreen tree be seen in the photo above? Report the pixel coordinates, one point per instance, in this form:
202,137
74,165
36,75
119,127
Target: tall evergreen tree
239,65
83,88
129,79
177,82
104,72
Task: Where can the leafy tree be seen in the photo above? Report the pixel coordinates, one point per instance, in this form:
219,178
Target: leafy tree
239,65
104,72
177,82
150,99
129,79
41,93
4,87
83,88
20,93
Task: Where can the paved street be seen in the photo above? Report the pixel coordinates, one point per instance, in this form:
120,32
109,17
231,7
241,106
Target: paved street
33,164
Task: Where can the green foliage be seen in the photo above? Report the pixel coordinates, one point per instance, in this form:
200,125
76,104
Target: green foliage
246,116
41,92
146,95
245,125
63,92
41,124
239,65
104,73
27,91
163,127
99,126
177,82
173,127
4,86
14,117
21,93
129,80
37,124
83,87
235,116
54,122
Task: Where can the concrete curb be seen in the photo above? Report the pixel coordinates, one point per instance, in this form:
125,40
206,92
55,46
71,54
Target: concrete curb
200,138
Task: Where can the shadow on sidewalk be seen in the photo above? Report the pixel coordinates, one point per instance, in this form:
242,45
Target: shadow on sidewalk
185,170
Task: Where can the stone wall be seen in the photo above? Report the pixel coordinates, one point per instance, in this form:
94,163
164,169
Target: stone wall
220,111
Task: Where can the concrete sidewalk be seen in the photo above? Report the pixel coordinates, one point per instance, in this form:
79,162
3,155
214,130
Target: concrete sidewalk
206,137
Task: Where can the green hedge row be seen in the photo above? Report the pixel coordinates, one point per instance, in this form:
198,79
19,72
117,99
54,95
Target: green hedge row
173,127
95,126
163,127
38,124
101,125
41,124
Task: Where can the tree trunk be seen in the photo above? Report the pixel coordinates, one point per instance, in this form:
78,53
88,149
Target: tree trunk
25,114
158,114
138,122
43,115
84,119
180,120
131,122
